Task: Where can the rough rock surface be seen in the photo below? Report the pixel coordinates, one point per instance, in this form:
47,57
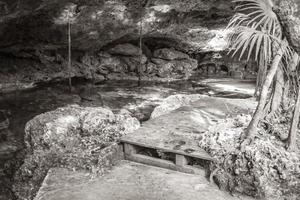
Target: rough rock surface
222,106
265,169
169,54
220,63
125,50
33,37
129,180
174,102
95,24
72,137
123,63
173,64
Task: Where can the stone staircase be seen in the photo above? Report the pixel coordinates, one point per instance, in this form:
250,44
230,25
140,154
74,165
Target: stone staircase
166,150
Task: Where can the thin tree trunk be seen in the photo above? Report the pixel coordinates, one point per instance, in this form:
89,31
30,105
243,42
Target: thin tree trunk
292,140
141,50
262,78
285,96
69,53
258,82
259,112
278,92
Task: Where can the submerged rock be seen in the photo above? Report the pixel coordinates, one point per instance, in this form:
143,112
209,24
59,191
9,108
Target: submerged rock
220,107
173,102
73,137
7,149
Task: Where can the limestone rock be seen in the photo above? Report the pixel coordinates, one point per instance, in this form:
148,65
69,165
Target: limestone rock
97,24
133,63
265,169
109,64
73,137
173,102
125,50
73,122
151,68
34,35
175,68
169,54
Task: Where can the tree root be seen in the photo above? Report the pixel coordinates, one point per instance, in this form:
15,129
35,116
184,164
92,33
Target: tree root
211,177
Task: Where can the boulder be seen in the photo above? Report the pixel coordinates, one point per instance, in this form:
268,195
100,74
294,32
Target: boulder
164,68
151,68
184,68
133,63
169,54
125,50
264,169
57,127
175,68
109,63
73,137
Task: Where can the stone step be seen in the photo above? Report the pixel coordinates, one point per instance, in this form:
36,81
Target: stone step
179,162
129,181
189,149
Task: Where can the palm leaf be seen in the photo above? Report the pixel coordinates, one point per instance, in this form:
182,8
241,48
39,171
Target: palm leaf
245,39
258,12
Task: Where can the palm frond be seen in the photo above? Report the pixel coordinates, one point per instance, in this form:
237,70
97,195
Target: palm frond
258,12
247,40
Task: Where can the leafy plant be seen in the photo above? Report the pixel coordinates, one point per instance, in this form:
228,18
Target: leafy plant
257,34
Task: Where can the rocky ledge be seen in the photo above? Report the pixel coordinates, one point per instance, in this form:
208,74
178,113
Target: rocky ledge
121,62
72,137
264,169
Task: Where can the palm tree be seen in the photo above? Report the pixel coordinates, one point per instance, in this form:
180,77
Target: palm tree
257,33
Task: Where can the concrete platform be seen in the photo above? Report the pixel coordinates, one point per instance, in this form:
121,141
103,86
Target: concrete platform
129,181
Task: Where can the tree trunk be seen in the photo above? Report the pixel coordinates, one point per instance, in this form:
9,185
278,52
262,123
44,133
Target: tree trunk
141,50
259,81
278,92
259,112
290,21
285,96
292,140
69,53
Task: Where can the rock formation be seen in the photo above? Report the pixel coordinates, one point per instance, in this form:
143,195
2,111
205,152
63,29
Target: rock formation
265,169
33,38
73,137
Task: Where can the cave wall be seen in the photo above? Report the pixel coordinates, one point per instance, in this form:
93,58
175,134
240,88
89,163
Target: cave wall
39,24
33,38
